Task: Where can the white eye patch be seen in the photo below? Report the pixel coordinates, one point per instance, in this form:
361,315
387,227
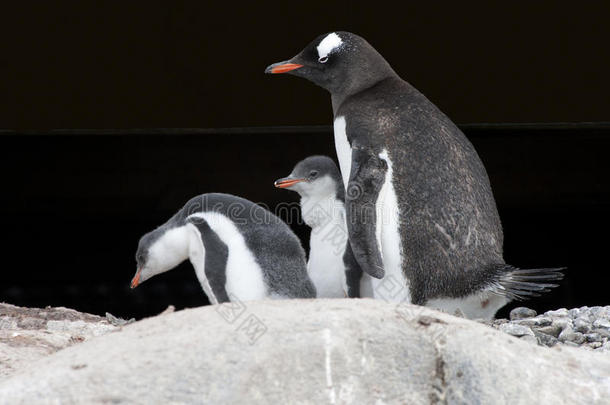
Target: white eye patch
331,42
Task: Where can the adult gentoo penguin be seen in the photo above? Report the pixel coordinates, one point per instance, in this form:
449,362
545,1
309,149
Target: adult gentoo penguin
240,251
331,265
419,206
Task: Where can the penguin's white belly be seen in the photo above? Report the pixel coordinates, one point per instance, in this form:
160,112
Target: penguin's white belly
366,286
244,277
482,305
344,150
325,266
393,286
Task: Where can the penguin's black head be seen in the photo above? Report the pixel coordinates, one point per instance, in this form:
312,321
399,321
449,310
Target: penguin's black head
149,256
142,257
142,252
340,62
314,176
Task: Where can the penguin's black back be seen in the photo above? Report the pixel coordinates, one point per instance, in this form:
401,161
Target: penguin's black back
449,224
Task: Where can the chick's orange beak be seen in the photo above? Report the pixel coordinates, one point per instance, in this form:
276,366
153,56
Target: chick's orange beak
287,182
136,279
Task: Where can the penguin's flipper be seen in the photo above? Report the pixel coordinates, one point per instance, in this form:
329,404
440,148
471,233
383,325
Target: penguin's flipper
521,284
216,255
353,272
367,176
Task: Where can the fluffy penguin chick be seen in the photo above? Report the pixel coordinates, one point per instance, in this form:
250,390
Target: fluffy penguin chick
331,265
420,213
239,250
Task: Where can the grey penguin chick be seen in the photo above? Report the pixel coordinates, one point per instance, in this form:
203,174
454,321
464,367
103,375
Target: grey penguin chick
239,250
421,216
331,264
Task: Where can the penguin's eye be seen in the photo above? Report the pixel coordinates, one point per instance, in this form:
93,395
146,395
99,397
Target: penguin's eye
313,173
323,59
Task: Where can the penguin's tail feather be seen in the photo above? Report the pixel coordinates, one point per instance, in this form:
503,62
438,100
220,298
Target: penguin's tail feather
521,284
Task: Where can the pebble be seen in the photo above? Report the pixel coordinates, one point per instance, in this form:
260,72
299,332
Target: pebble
562,323
593,337
551,330
529,338
537,321
546,339
601,324
568,335
561,312
521,313
604,332
516,330
574,312
584,327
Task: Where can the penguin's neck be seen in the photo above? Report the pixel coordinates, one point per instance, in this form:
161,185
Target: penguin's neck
171,249
338,97
321,210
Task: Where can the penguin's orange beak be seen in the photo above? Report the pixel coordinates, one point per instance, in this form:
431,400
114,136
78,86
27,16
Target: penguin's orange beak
282,67
136,279
287,182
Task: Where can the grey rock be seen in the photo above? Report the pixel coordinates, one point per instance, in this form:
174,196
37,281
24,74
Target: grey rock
561,312
116,321
593,337
562,323
574,312
521,313
312,351
551,330
571,344
597,311
582,325
568,335
29,334
546,339
516,330
530,339
601,324
605,333
538,321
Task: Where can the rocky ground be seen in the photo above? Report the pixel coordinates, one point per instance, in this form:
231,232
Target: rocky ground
28,334
337,351
586,327
301,351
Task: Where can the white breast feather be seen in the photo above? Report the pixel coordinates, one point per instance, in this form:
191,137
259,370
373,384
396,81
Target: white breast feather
344,150
388,238
327,246
244,277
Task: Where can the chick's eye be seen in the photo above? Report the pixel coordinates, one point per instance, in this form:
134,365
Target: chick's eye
323,59
313,173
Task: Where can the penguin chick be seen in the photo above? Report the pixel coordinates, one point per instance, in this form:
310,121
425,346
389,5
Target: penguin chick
331,265
239,250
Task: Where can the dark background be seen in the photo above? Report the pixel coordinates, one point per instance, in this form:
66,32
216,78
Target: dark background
76,201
